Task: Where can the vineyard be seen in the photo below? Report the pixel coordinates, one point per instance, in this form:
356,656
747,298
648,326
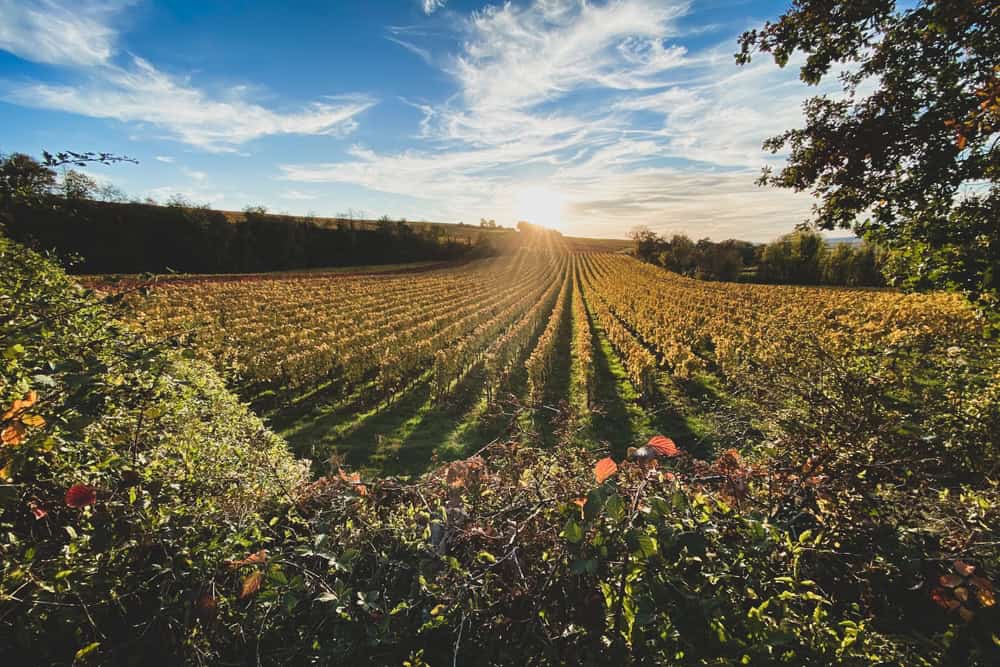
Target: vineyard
550,456
387,370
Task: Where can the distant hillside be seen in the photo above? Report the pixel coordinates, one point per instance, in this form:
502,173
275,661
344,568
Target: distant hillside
844,240
453,229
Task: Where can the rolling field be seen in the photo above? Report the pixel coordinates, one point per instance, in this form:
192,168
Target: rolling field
388,371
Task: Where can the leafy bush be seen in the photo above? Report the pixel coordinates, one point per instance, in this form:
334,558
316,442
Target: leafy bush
127,471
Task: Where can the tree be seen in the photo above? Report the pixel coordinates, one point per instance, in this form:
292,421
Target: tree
111,193
908,156
77,185
647,243
681,254
795,258
24,179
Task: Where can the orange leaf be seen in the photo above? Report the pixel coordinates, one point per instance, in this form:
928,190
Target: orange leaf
950,580
251,585
964,568
252,559
13,434
21,404
986,598
663,445
353,478
604,469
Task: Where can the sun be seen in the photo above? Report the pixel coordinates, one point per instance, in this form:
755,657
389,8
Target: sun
540,205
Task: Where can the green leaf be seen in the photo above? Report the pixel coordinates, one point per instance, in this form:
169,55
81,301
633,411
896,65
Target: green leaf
595,503
583,566
615,507
43,380
572,532
646,545
13,351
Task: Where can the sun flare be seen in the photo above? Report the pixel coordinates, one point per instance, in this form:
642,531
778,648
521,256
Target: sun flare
540,205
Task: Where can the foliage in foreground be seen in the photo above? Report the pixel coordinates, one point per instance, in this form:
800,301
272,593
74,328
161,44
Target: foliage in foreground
126,471
146,513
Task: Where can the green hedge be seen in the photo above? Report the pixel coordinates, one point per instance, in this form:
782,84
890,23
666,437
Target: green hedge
137,238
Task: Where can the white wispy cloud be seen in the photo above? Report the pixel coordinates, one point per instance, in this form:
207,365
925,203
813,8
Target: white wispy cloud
431,6
604,103
424,54
164,158
137,91
56,33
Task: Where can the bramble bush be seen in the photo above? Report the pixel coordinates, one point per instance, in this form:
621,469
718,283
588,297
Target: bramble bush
126,472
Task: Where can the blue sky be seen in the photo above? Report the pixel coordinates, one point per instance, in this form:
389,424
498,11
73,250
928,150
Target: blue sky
593,117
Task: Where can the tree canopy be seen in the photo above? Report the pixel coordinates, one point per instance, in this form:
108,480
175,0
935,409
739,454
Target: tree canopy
908,154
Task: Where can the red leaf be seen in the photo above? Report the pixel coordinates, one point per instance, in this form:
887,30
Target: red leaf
664,446
37,510
941,597
604,469
81,495
964,568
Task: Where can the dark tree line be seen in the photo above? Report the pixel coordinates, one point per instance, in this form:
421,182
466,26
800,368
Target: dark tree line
799,258
72,215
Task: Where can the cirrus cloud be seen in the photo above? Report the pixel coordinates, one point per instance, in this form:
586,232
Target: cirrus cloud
82,38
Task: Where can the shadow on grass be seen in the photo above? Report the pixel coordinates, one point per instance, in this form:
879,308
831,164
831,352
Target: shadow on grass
547,417
365,445
673,416
611,420
438,430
